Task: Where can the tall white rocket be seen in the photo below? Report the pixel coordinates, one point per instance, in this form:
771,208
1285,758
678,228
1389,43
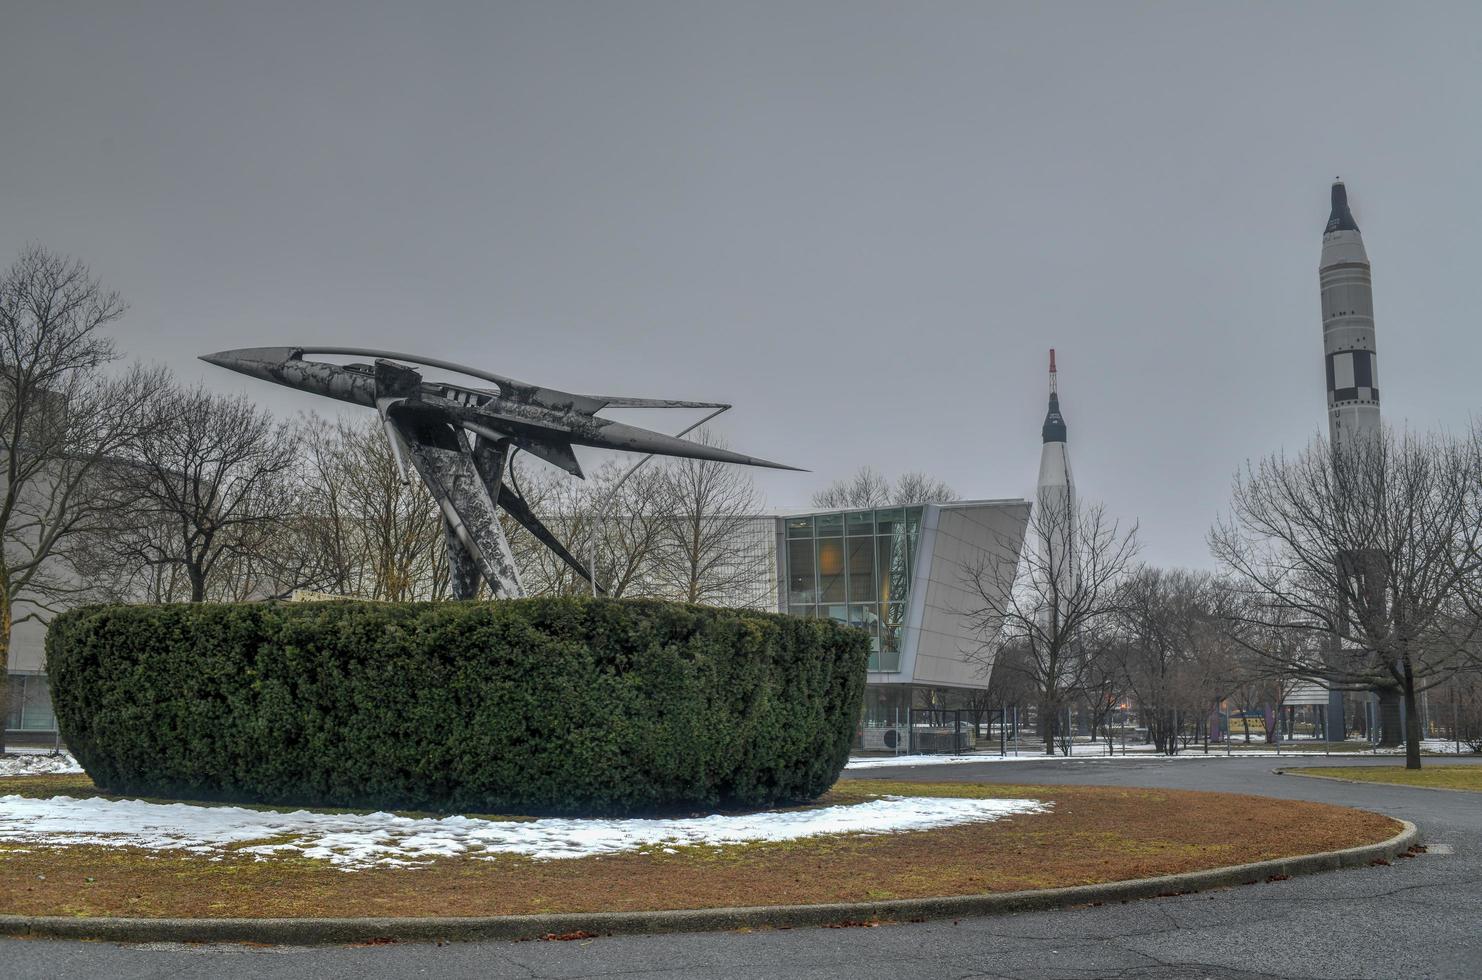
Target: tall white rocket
1055,495
1348,327
1343,275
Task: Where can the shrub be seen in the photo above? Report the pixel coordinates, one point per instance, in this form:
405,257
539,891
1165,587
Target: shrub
558,705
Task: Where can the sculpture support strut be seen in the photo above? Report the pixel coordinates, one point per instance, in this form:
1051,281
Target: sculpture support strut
447,464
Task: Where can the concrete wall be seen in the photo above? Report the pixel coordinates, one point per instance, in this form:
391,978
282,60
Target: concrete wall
27,652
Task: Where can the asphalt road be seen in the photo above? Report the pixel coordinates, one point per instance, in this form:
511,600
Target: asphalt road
1415,919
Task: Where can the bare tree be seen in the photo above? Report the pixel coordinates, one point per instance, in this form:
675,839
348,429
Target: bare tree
626,521
918,488
209,480
711,550
569,509
1175,651
61,421
868,488
379,534
1371,550
980,704
1057,606
1103,688
1459,703
1257,678
1010,687
631,524
667,531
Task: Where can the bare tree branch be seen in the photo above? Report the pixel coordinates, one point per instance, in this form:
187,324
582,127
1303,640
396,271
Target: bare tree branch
61,421
1372,551
715,544
209,480
1055,610
868,488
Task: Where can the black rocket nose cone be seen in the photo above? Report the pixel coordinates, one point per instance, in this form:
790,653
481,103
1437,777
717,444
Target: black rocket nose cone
1054,428
1340,218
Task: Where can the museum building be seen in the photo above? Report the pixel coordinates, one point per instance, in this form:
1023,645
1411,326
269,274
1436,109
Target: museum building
927,582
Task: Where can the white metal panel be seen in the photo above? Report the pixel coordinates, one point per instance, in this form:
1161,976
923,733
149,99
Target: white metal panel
1343,370
947,651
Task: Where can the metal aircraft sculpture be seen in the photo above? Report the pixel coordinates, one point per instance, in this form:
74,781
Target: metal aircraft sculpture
460,440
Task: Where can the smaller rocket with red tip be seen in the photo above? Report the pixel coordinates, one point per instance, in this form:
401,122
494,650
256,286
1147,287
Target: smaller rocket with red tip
1055,495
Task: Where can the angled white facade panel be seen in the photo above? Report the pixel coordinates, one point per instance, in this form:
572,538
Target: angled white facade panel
943,648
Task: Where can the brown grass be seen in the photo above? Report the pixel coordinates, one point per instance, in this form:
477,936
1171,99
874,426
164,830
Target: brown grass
1092,834
1467,777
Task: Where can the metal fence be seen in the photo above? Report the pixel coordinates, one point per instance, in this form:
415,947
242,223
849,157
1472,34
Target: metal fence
938,731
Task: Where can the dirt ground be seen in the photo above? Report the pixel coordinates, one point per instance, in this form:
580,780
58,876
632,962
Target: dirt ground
1090,834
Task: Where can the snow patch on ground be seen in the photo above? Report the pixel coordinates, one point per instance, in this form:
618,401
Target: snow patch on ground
35,764
360,840
1444,746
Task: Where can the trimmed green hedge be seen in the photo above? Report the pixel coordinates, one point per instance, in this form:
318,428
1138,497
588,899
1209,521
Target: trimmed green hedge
567,705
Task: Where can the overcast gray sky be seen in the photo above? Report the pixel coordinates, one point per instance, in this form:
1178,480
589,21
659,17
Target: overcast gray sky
862,223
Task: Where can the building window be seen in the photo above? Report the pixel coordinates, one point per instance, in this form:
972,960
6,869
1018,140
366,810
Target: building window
30,704
854,567
802,588
800,527
831,569
861,569
838,612
865,618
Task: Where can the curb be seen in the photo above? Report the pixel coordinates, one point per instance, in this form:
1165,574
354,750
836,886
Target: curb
316,932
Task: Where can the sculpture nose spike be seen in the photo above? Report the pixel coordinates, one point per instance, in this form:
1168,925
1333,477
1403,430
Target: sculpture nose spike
254,361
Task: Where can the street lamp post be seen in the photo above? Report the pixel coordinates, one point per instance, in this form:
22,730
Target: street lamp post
1455,728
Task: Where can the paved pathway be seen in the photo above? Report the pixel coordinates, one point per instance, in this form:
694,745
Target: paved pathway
1416,919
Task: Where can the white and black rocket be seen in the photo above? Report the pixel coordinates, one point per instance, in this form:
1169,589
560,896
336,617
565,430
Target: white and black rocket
1055,493
1351,364
1348,327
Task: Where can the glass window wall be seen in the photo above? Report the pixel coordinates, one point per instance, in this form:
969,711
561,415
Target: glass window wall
30,704
802,587
855,567
831,581
861,569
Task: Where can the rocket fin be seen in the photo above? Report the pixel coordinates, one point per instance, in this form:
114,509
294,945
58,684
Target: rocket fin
554,450
556,453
